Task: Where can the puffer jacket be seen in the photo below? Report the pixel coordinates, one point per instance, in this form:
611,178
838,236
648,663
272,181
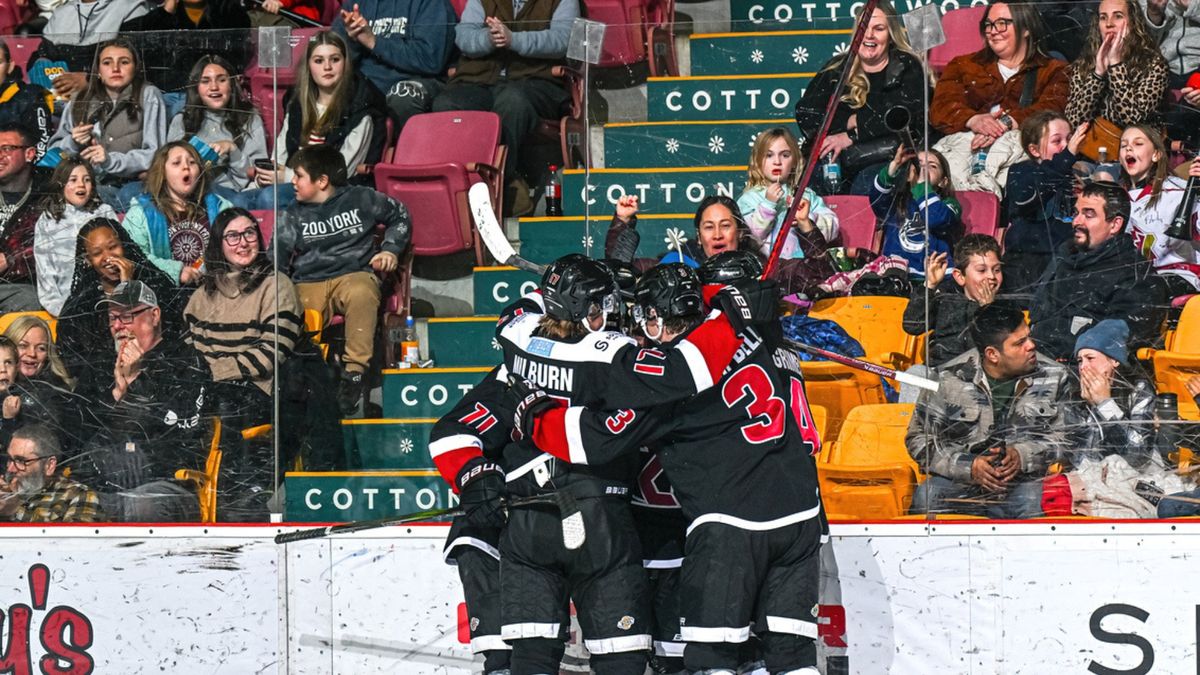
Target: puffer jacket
954,425
1081,288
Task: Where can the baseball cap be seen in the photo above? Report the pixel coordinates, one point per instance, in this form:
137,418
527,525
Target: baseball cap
130,294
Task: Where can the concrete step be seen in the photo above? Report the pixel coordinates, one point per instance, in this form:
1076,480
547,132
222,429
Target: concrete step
379,444
460,342
546,239
661,190
426,392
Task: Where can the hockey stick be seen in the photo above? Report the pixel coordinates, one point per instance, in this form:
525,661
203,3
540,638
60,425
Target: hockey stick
492,234
904,378
860,32
573,530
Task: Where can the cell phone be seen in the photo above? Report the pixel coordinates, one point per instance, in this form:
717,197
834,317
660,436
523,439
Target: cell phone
264,164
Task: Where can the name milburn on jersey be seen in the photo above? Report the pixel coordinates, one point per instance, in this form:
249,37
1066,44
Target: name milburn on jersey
556,378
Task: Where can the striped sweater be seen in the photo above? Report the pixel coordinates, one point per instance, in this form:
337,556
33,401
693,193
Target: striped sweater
236,332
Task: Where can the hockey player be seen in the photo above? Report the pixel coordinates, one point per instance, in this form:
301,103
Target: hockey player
736,457
565,352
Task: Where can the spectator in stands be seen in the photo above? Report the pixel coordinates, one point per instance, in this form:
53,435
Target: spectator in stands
37,355
403,47
1117,81
1097,275
144,415
886,74
985,96
774,170
509,50
116,123
71,202
10,399
171,220
20,195
920,202
73,31
1039,199
330,231
241,315
946,304
33,490
332,106
178,33
105,256
1174,25
42,386
218,114
986,436
1154,197
1113,413
22,103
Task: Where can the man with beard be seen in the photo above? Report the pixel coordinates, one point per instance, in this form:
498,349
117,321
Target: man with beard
20,207
32,491
1097,275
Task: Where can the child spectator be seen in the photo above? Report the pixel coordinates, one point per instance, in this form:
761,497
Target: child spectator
331,106
218,114
1040,199
1154,197
171,220
1118,79
10,407
73,30
24,103
951,303
923,200
775,162
71,203
326,243
104,257
116,123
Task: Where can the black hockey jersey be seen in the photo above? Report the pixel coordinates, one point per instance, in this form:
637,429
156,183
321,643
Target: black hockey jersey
738,453
657,515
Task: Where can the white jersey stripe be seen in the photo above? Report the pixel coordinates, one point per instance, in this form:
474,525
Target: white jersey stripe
754,526
520,631
451,443
575,435
719,634
697,366
625,643
783,624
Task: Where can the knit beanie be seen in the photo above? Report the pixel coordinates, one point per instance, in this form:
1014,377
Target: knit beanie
1110,337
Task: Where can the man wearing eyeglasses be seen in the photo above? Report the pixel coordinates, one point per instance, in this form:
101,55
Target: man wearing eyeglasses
144,420
20,207
32,490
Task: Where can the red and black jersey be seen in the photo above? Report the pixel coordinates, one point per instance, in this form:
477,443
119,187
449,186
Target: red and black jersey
740,452
657,515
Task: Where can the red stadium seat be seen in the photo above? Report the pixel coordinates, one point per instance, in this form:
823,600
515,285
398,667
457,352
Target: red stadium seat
22,49
980,212
432,176
856,220
962,36
266,223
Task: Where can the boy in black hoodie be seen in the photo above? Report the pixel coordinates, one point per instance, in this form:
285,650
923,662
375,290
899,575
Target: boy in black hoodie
327,246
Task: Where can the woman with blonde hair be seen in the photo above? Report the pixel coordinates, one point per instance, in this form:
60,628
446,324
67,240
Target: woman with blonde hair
37,357
885,74
171,220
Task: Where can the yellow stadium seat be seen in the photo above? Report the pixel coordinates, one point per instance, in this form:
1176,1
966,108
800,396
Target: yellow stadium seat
821,421
876,322
7,319
206,480
1179,360
315,324
867,474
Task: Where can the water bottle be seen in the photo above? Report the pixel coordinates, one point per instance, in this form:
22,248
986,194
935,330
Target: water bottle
1102,154
980,161
1166,412
410,349
553,193
1181,226
831,172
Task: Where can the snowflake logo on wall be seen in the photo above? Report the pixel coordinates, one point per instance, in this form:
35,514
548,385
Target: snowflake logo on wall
406,445
756,56
672,146
675,238
716,144
586,241
800,55
495,345
842,48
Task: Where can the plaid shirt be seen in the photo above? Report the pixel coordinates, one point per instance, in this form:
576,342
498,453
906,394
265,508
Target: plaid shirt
61,501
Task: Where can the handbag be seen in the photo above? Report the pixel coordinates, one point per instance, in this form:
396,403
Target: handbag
875,151
1101,134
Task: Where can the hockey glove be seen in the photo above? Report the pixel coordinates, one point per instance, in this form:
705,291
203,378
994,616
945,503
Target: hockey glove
527,400
748,303
481,493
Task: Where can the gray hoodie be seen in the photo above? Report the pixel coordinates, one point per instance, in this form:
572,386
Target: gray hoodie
337,236
87,23
54,252
229,171
1178,36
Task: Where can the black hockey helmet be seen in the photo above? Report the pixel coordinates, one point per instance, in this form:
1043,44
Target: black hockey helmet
667,291
575,287
729,266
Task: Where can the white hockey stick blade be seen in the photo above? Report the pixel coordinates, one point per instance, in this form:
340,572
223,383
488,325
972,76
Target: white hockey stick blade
917,381
492,234
489,228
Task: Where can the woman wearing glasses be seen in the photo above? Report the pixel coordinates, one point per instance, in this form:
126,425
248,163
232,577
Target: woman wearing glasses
233,317
983,97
